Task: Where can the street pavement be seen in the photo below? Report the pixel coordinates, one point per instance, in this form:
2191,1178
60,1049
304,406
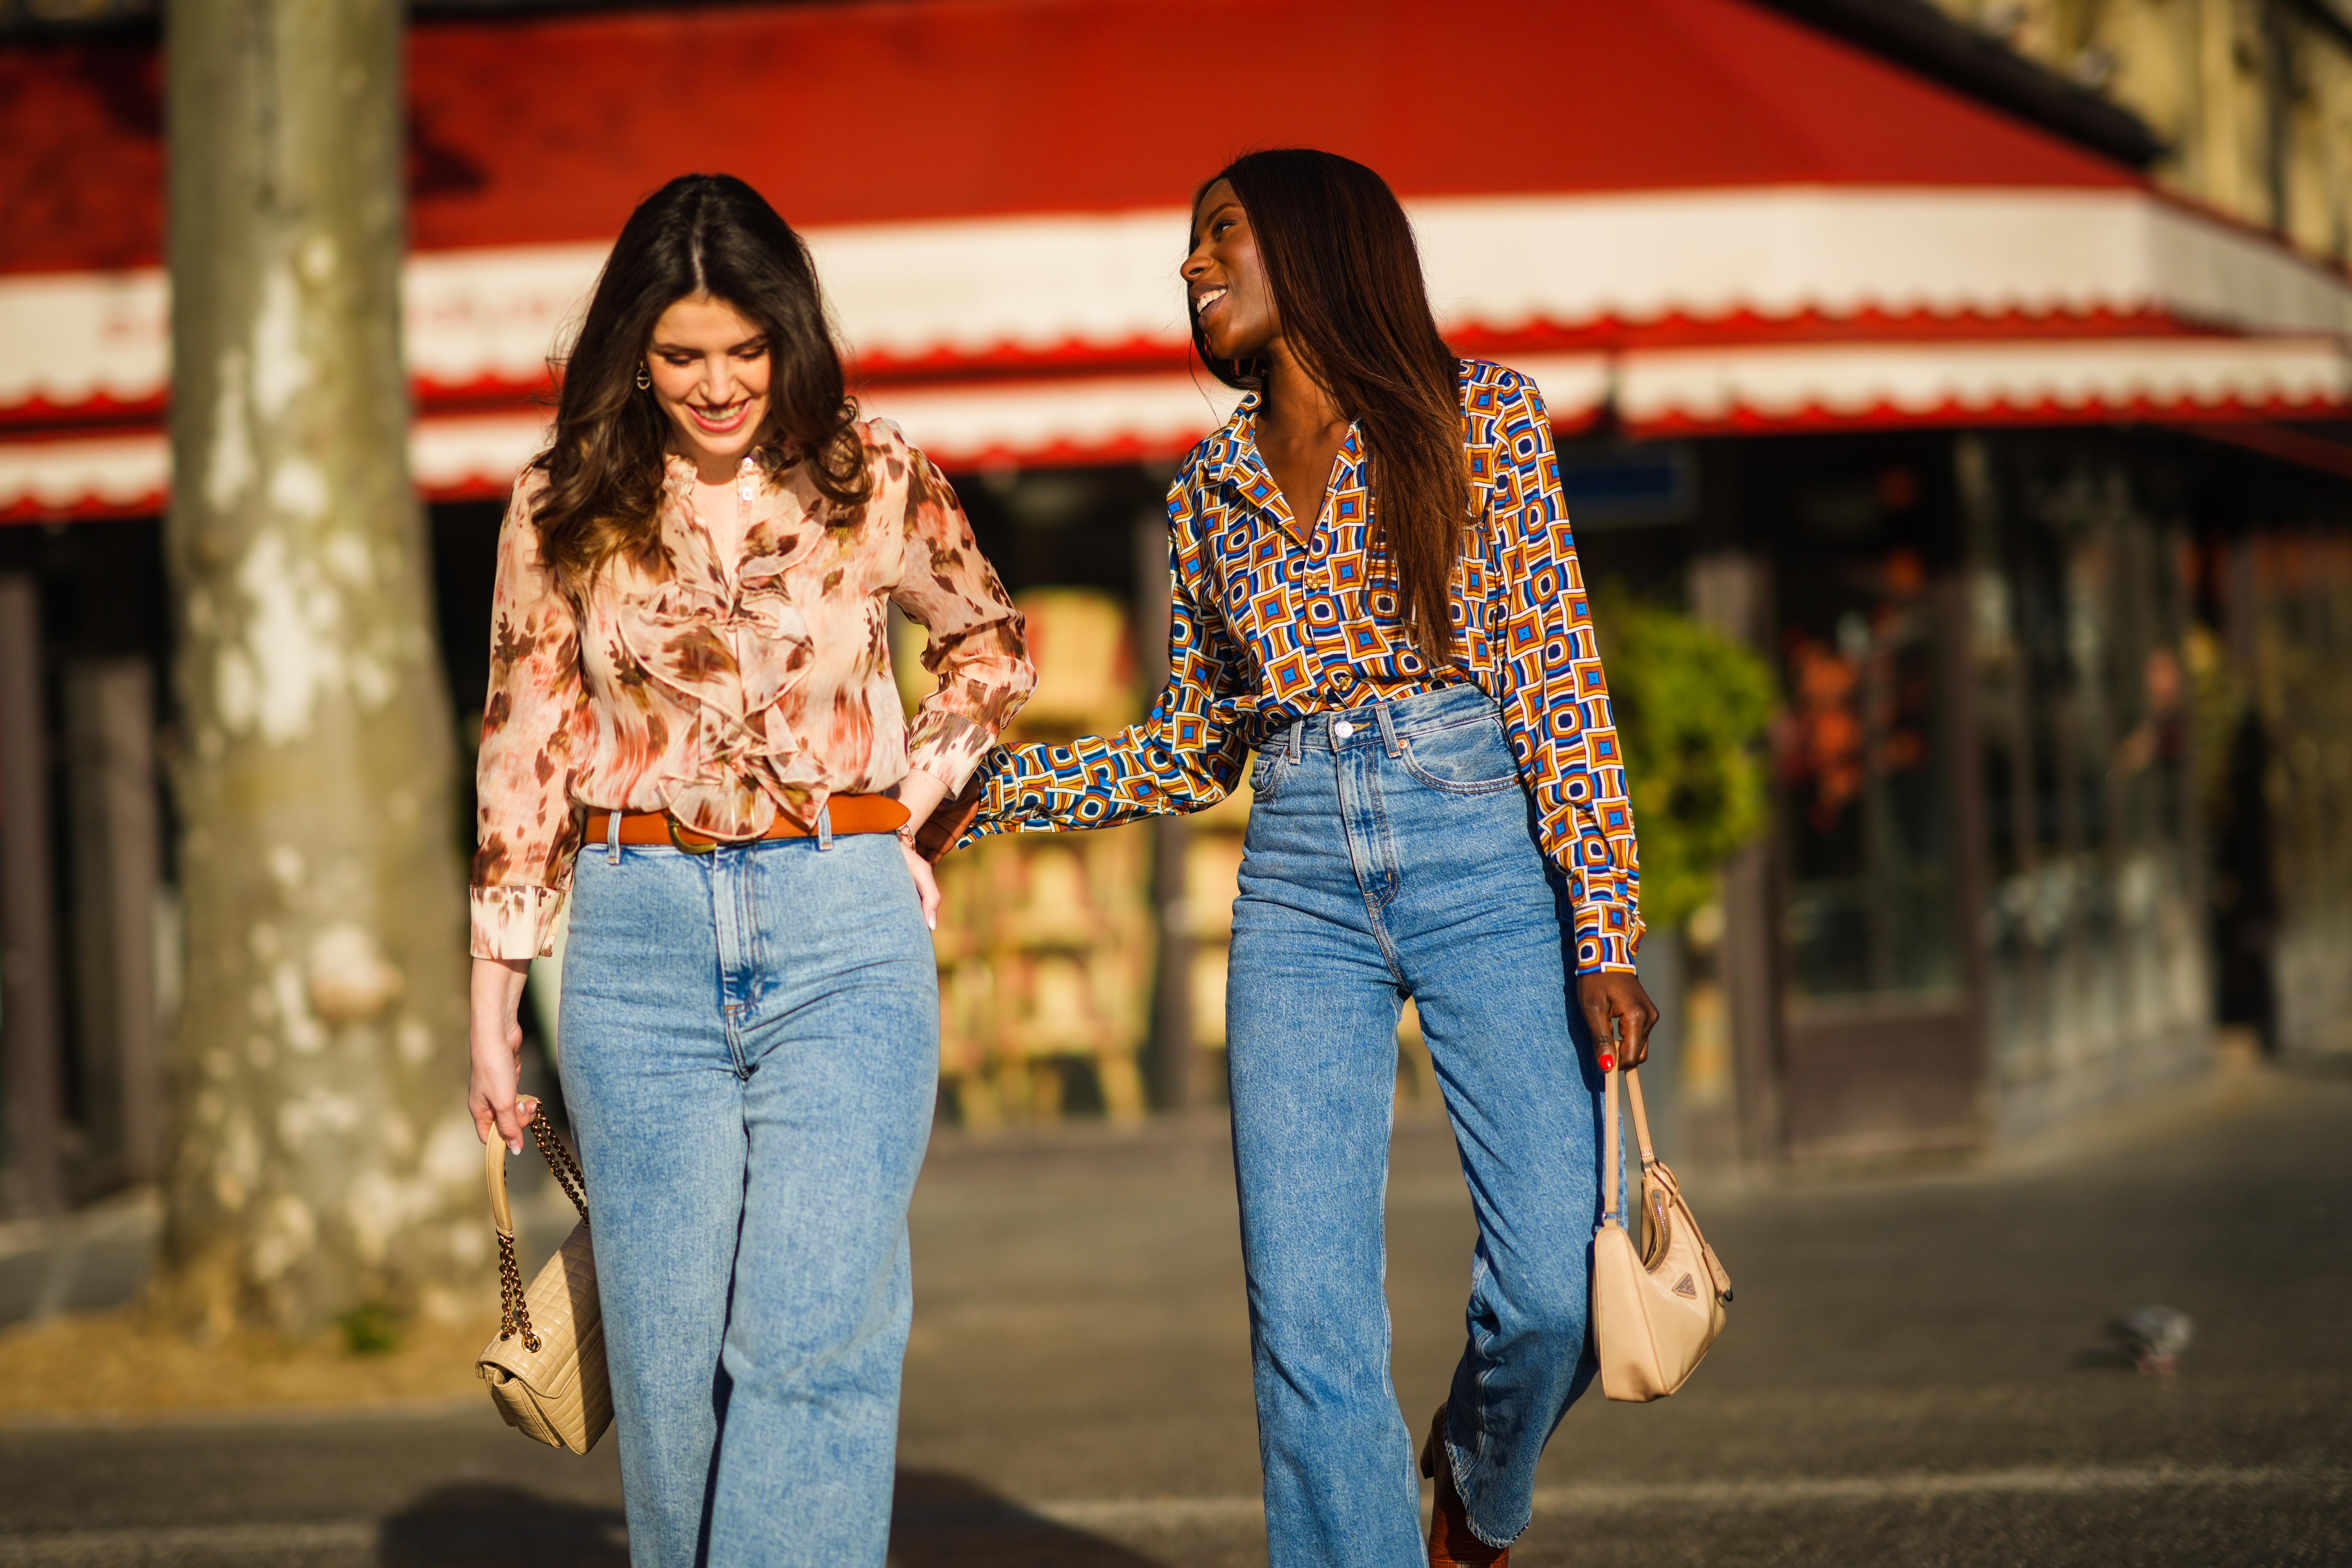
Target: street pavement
1915,1374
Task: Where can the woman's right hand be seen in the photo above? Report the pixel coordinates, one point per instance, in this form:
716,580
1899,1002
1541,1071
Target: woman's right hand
495,1038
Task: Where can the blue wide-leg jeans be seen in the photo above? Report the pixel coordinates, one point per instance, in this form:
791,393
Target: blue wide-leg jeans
751,1052
1391,854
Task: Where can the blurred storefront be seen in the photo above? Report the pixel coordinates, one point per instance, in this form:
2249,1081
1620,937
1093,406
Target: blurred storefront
2034,481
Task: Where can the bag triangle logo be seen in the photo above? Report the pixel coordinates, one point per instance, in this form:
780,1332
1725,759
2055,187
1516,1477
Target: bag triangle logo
1685,1287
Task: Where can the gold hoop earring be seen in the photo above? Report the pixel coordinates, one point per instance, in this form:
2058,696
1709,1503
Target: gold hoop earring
644,379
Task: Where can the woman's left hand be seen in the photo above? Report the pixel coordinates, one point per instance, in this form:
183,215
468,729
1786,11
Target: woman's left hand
927,886
1620,1014
920,793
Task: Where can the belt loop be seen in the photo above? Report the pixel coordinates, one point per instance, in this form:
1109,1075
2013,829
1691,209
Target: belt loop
612,838
825,827
1297,739
1388,728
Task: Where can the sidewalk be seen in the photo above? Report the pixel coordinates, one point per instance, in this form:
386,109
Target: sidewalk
1914,1372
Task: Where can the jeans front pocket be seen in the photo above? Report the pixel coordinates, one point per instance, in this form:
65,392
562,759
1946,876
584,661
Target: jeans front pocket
1266,772
1460,759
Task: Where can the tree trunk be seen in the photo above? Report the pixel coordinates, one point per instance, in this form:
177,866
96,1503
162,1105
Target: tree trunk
322,1155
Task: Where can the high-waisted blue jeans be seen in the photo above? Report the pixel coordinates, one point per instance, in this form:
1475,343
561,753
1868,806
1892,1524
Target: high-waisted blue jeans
750,1051
1391,854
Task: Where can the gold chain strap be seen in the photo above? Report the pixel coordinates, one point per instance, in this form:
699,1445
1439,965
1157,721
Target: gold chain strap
514,1313
514,1317
565,1169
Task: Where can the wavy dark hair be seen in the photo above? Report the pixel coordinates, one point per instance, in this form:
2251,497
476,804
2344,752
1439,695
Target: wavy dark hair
1347,281
700,234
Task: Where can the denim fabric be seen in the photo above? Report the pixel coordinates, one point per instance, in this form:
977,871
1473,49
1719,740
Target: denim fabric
751,1052
1391,852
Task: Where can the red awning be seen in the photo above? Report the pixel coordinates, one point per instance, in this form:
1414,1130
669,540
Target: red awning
536,131
1697,212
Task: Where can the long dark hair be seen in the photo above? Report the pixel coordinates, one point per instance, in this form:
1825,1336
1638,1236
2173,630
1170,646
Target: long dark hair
700,234
1346,282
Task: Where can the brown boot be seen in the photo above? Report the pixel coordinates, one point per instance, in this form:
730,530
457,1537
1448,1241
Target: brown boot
1451,1542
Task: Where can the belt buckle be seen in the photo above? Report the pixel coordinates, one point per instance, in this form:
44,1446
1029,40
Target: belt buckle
709,847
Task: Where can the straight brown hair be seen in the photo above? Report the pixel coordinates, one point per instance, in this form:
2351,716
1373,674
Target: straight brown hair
700,234
1347,286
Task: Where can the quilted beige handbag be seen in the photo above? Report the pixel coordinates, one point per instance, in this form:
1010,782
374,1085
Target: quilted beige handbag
1655,1310
546,1367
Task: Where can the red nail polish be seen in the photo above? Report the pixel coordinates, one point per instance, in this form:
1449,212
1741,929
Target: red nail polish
1608,1064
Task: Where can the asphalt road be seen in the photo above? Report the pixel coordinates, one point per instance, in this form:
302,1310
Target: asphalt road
1915,1374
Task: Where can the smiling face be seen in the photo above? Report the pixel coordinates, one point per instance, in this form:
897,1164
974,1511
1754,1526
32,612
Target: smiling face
711,369
1225,282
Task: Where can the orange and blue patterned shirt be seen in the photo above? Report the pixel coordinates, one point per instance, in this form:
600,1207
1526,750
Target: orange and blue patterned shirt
1272,621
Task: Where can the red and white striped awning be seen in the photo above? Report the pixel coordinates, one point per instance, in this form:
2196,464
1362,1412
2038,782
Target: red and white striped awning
1696,214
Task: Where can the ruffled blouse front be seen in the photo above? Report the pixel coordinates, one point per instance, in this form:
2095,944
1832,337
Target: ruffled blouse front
727,686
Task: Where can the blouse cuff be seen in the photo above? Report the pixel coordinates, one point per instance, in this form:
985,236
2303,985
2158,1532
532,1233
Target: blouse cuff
1608,935
951,751
515,922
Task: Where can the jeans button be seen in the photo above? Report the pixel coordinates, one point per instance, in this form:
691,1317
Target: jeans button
1343,729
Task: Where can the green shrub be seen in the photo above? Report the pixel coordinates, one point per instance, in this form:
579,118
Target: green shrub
1692,708
371,1328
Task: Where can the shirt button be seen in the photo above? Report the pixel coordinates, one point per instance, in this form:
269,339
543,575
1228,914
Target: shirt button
1343,729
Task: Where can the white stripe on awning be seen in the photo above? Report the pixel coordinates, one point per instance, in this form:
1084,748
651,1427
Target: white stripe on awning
103,473
1103,418
962,291
2075,377
963,427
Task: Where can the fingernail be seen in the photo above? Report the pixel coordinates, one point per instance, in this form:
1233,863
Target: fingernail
1608,1064
932,921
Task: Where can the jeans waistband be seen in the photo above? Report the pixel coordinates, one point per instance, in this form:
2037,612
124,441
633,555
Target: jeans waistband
1383,723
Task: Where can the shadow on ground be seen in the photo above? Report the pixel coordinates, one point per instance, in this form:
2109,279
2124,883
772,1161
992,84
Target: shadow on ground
941,1518
936,1520
462,1525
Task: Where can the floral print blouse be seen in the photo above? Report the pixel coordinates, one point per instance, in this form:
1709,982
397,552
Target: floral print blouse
730,681
1273,620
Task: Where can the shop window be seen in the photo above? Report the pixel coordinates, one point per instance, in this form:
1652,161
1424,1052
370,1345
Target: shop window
1865,795
2082,708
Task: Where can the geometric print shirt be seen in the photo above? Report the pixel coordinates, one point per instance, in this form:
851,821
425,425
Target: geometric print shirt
1273,620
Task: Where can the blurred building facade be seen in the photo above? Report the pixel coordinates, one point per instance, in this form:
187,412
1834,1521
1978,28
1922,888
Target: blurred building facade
2251,99
1984,368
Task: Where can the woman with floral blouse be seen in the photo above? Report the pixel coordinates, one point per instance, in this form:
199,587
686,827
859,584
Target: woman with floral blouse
693,736
1376,592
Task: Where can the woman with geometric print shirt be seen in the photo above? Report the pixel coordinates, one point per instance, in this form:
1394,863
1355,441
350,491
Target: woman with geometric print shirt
1375,590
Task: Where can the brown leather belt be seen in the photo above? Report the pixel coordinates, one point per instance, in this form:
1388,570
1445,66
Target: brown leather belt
659,829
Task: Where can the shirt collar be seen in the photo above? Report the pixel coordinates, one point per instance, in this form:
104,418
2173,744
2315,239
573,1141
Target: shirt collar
1223,450
1233,457
678,469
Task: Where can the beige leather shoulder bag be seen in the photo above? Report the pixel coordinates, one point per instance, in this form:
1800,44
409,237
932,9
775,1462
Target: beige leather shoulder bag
1655,1310
546,1367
